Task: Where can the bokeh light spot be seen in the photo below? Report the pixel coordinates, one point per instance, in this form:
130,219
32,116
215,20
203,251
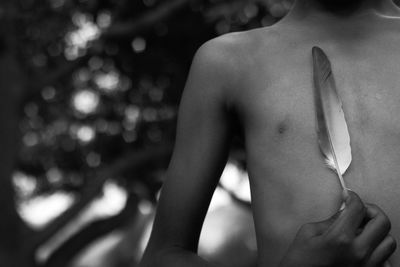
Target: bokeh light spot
145,207
31,110
77,40
95,63
48,93
93,159
30,139
139,45
107,81
85,134
132,114
54,175
25,185
104,19
86,101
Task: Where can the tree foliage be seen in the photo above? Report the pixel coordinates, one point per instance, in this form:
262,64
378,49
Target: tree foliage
90,91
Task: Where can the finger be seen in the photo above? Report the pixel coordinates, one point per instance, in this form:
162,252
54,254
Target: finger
381,254
351,217
376,228
321,227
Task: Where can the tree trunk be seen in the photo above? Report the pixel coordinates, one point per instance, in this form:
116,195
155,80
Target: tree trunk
11,88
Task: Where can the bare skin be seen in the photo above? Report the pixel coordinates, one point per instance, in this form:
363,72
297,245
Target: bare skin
262,79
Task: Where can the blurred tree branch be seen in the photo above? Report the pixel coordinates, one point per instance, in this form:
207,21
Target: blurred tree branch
63,255
146,21
133,161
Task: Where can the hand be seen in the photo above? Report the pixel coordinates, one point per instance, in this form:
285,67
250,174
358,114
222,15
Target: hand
357,236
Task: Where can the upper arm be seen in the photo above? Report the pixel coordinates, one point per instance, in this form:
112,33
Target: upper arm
200,153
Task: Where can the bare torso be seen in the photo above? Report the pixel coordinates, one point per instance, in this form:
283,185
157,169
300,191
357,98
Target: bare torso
289,182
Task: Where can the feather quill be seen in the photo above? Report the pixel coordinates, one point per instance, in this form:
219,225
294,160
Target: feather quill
332,130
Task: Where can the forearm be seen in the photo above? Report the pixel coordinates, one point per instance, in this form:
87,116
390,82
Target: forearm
174,257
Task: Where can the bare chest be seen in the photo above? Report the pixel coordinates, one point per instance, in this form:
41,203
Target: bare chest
288,177
290,183
278,114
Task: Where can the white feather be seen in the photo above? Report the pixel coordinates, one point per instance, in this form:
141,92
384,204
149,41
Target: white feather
333,133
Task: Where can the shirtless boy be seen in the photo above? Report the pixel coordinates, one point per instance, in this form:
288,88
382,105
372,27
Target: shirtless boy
262,79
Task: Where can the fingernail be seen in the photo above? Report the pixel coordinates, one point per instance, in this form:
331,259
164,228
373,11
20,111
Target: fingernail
345,195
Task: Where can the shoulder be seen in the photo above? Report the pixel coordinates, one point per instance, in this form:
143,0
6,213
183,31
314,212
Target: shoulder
219,55
236,46
230,55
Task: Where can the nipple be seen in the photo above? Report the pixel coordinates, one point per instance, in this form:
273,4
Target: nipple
282,128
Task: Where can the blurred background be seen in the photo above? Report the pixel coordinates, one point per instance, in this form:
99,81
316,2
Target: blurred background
89,91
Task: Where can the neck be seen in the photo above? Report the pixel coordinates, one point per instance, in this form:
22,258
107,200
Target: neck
343,8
